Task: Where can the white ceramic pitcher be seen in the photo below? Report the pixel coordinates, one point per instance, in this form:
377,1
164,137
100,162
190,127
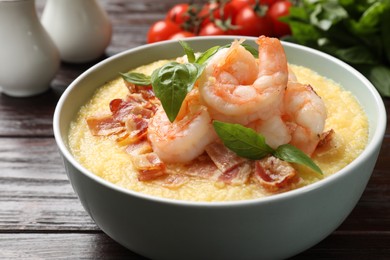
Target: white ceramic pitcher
29,59
80,28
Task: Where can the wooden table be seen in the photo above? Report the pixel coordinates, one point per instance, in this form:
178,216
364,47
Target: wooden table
40,215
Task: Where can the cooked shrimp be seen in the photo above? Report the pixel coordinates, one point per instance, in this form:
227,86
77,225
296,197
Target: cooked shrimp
305,113
238,88
185,138
273,129
291,75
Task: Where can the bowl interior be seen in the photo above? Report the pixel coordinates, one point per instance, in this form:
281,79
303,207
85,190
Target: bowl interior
81,90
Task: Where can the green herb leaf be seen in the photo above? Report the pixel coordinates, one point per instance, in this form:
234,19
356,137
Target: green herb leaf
251,49
245,142
327,14
370,20
290,153
356,55
304,33
188,50
379,76
296,13
172,82
136,78
385,35
356,32
205,56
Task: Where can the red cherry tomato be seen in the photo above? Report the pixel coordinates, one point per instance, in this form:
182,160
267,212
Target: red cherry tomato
269,2
277,10
181,35
162,30
206,12
237,5
178,14
251,24
211,29
234,7
216,11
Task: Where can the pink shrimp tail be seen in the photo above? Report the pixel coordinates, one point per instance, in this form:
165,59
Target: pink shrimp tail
271,49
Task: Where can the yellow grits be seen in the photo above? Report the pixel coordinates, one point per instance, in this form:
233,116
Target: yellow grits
102,156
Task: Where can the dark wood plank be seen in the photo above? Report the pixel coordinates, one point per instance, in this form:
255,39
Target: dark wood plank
43,214
357,246
30,158
35,193
27,116
100,246
62,246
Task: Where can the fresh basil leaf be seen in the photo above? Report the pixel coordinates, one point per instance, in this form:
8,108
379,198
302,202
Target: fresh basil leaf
290,153
340,36
171,84
188,50
385,34
370,19
356,32
356,8
296,13
347,3
327,14
245,142
304,33
379,77
357,54
205,56
136,78
251,49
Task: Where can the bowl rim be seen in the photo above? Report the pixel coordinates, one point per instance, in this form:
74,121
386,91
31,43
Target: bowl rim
373,144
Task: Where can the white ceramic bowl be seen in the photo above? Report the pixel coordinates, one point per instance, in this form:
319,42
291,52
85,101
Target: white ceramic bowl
275,227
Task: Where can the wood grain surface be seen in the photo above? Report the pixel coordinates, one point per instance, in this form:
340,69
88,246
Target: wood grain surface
40,215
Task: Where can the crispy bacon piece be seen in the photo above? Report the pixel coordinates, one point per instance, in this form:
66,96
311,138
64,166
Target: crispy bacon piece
326,140
145,91
121,109
129,119
125,138
233,169
174,181
274,174
238,175
149,175
138,148
223,158
202,167
135,98
104,125
145,110
115,104
130,86
136,130
148,161
134,104
149,166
